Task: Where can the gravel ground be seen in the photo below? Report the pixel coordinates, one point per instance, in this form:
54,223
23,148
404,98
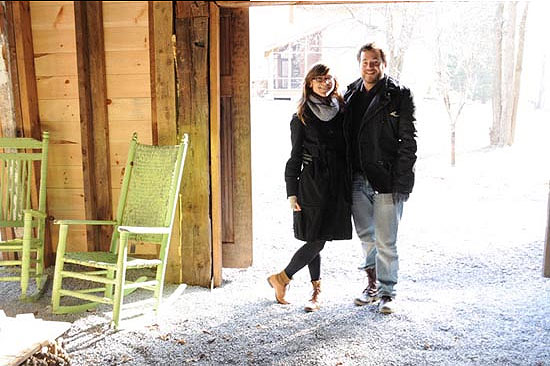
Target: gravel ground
470,290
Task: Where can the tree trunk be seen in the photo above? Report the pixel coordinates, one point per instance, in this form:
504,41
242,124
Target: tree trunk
497,96
517,75
508,65
453,144
540,97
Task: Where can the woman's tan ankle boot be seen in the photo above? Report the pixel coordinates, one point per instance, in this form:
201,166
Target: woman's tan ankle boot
313,303
279,282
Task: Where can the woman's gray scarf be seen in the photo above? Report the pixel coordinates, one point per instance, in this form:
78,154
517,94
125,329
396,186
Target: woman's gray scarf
325,109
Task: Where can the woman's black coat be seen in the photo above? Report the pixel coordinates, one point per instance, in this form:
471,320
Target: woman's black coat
316,174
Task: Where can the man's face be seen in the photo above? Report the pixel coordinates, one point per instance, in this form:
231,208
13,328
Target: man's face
372,67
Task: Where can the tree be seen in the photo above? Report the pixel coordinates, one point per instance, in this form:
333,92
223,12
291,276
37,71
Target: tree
508,68
398,25
460,58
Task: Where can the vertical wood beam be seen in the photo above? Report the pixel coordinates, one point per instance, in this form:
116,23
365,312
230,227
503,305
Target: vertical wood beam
163,104
94,124
13,126
240,253
163,78
192,45
226,85
26,92
25,69
215,164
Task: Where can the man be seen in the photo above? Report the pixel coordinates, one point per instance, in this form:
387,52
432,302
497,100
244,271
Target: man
380,131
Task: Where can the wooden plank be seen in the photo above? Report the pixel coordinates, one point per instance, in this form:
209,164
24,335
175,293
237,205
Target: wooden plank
118,86
25,68
55,64
18,344
121,131
62,132
128,86
215,165
54,41
49,15
94,121
239,254
126,14
127,39
76,238
163,78
66,199
127,62
28,94
67,110
226,133
65,177
546,264
57,87
192,45
65,154
116,63
227,175
163,105
124,109
15,128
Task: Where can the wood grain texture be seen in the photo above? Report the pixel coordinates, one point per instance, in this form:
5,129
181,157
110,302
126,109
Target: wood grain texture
94,120
239,252
215,145
193,117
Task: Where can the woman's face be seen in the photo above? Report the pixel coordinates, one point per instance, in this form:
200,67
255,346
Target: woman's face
322,85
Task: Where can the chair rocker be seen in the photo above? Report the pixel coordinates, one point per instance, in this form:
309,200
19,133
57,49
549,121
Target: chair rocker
145,213
22,227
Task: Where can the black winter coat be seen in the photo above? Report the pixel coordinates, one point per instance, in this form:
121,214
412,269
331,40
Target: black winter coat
317,174
386,138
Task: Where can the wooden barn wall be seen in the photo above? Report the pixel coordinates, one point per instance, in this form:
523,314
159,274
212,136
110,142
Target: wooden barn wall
128,98
53,32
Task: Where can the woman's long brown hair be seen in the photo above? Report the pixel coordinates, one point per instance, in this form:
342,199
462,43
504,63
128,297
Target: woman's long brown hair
316,70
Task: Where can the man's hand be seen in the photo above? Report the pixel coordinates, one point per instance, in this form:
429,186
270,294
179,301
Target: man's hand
294,206
399,197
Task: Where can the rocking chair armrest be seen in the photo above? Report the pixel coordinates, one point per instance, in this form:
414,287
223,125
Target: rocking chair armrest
85,222
144,230
36,213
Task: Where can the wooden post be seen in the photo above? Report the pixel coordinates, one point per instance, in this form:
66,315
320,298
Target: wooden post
163,104
94,124
546,265
192,47
25,92
215,145
235,109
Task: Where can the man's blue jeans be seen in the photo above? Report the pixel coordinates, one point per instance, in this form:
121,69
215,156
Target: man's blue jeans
376,220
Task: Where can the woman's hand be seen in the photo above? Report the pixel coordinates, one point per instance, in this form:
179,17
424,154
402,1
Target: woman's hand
294,206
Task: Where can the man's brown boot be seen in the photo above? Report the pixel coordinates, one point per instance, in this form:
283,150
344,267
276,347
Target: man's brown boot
369,294
279,282
313,304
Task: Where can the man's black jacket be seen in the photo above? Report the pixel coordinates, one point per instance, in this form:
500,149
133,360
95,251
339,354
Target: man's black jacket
386,136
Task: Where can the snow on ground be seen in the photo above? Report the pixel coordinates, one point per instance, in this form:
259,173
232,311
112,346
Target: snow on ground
470,289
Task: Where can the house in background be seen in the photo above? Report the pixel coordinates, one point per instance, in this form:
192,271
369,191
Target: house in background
282,52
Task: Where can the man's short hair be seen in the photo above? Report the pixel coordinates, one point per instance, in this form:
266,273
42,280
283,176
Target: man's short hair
372,46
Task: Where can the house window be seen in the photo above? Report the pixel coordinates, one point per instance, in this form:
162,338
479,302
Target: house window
291,61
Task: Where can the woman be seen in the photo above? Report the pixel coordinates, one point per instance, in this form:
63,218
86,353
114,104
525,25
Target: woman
316,179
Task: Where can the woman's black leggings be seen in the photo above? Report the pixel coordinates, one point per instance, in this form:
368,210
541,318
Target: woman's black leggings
308,254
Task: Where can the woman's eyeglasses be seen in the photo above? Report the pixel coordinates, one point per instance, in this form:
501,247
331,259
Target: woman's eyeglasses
324,79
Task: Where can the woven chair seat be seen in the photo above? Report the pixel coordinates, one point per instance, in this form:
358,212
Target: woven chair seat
107,260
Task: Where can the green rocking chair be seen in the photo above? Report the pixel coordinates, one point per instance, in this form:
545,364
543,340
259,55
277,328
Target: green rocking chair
22,226
145,213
